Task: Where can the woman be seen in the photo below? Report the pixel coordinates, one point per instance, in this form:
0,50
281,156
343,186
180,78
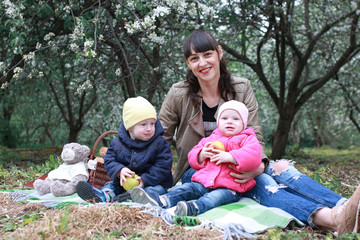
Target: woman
189,113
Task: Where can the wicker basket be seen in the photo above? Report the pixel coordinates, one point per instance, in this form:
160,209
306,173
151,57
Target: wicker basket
98,176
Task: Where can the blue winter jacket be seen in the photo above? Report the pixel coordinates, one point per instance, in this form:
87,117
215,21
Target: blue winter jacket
151,160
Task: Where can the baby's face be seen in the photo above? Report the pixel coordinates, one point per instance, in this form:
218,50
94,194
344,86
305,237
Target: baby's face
144,130
230,123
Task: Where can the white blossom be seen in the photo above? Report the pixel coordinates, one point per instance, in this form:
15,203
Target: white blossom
78,32
74,47
118,9
161,11
88,43
131,4
4,85
67,9
90,53
207,11
18,70
29,56
155,38
38,45
85,86
49,36
118,72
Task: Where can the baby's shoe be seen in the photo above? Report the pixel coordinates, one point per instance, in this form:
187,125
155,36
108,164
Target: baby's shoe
139,195
91,194
347,216
186,209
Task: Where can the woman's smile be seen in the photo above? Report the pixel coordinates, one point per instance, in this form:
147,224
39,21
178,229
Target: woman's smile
205,70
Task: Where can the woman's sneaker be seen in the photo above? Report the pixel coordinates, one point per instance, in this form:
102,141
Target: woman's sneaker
91,194
139,195
347,216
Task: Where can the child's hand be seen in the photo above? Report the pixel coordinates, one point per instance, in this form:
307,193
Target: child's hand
141,184
222,157
206,152
124,173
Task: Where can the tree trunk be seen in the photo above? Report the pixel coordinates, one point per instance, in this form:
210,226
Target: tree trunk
280,138
73,135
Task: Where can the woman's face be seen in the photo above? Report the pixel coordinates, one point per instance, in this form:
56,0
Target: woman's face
205,65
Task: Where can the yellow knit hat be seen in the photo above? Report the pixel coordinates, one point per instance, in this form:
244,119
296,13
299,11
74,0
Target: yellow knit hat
136,110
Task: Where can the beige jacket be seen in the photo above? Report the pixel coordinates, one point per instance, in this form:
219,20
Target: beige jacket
180,119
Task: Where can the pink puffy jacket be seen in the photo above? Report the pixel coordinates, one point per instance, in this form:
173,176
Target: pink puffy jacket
244,147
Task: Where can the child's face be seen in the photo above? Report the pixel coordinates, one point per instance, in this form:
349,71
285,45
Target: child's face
230,123
144,130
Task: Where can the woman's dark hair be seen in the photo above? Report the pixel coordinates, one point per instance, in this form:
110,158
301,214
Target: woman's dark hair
202,41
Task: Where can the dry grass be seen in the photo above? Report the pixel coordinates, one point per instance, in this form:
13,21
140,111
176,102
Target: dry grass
33,221
76,222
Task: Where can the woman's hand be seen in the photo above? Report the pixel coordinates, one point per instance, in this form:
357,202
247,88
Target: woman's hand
243,177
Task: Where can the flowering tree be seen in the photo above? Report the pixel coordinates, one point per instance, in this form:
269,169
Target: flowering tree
302,44
87,56
75,49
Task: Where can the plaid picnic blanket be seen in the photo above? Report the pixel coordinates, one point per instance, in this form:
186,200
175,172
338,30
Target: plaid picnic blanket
246,217
48,200
236,220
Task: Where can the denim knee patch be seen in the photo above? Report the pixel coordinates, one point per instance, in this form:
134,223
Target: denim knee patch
291,169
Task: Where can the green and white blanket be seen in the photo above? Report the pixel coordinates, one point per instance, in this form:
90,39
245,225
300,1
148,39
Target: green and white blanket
236,220
48,200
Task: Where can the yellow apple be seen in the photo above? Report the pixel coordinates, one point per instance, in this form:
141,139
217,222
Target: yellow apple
131,182
218,145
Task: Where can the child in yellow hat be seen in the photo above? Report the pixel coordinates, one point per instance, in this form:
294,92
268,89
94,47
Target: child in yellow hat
138,149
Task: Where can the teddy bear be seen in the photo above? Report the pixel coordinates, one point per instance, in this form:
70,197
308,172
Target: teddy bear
62,181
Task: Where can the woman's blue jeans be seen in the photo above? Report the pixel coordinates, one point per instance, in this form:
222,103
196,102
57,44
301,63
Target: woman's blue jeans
292,192
113,188
207,198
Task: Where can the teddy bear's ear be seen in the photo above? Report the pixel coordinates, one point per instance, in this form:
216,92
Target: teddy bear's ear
86,149
103,151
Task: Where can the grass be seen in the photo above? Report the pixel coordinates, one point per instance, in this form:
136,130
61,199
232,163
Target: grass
336,169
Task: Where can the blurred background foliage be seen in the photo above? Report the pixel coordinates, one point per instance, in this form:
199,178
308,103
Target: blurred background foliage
66,67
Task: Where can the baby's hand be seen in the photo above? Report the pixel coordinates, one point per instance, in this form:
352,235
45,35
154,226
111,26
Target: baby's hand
206,152
222,157
124,173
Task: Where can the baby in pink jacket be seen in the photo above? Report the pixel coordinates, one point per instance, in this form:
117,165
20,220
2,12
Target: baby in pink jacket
212,185
242,149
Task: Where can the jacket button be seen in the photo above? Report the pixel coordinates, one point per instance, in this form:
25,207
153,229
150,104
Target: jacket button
134,163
